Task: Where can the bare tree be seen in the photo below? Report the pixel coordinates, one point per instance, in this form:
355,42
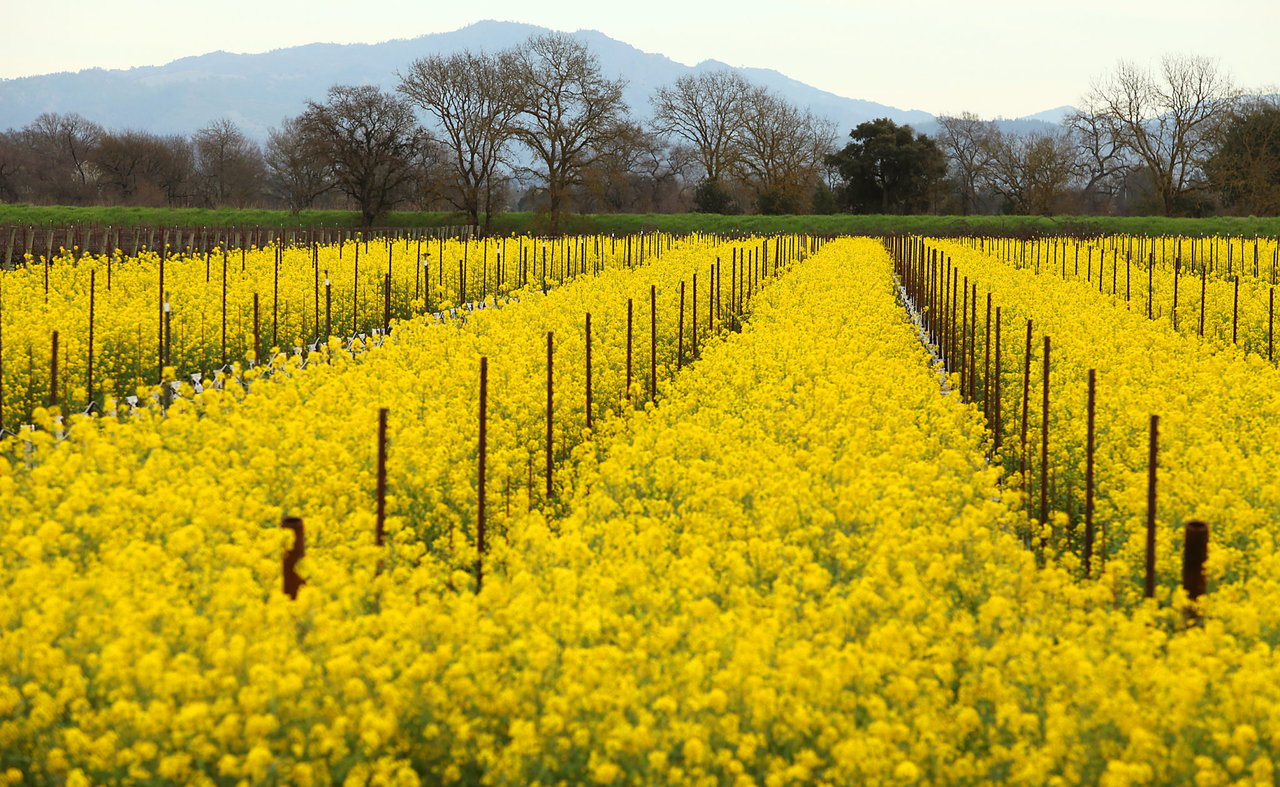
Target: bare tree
965,139
708,111
139,168
782,150
1167,119
431,186
568,109
120,159
368,140
471,99
173,170
629,172
59,163
296,173
13,161
1104,161
229,166
1245,166
1033,172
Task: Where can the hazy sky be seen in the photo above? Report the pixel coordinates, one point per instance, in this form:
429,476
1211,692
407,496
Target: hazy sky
994,57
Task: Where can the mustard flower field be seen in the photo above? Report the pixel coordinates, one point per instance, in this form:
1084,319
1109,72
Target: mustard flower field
660,509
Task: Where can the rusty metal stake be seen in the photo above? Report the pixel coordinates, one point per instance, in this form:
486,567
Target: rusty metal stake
382,476
653,342
627,394
53,370
550,411
1044,449
1026,404
680,332
588,370
480,476
997,404
93,285
1149,588
1088,474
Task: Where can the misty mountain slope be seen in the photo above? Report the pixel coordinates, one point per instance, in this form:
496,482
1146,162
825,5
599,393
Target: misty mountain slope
257,91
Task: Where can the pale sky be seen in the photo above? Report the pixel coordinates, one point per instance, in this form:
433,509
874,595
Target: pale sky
993,57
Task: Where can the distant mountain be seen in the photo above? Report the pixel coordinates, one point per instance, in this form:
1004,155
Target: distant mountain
1039,123
257,91
1053,116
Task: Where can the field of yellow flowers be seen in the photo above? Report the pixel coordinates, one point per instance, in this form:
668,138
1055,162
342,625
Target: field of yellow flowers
1217,401
1221,289
789,552
120,322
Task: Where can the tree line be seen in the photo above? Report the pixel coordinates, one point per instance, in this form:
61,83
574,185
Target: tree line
1176,140
541,127
536,127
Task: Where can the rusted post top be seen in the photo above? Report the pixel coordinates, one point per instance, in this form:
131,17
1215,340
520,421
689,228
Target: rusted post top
1195,551
292,582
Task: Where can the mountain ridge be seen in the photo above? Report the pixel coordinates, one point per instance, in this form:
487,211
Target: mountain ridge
259,90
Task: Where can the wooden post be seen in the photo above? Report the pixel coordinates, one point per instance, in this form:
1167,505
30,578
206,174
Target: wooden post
380,531
93,282
627,393
550,408
1088,472
1203,278
1044,444
589,406
1,354
986,366
680,332
711,299
934,335
1128,273
1235,310
1026,402
160,327
168,337
1195,551
653,342
944,343
693,319
1151,288
1149,589
293,555
53,370
315,288
953,326
964,346
734,285
972,376
480,474
224,308
355,290
275,297
719,285
257,336
386,305
1177,274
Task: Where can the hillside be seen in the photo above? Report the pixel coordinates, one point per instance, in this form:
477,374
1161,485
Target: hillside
257,90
